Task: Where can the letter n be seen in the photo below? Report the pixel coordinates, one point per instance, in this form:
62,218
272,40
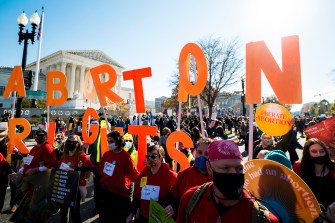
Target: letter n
286,83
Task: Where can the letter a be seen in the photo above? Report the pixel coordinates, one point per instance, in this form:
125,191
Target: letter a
15,83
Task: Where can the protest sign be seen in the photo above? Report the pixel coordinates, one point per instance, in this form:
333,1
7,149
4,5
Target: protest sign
63,187
324,131
157,213
273,119
285,194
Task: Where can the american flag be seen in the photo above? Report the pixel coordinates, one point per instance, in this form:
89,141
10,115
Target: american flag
40,30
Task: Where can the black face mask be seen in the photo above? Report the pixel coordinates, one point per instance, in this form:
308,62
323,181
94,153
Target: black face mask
71,146
59,140
319,159
229,184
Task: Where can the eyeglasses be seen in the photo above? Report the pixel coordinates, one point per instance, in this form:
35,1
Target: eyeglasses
151,156
128,140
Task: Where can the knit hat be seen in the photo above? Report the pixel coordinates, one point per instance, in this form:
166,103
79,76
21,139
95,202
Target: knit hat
280,157
223,149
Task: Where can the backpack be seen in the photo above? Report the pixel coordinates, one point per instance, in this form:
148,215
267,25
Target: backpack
260,214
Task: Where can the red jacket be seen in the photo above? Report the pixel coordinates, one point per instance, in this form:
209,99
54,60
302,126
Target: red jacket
187,179
74,160
164,178
124,172
206,211
41,153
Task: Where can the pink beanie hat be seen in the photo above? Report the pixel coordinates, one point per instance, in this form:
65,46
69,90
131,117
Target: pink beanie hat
223,149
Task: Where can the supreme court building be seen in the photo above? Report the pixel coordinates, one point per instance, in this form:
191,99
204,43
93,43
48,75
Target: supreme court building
75,64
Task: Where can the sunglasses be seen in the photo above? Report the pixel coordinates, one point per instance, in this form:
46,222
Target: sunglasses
128,140
151,156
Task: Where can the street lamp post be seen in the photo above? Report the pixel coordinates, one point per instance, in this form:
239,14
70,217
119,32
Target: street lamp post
243,97
22,20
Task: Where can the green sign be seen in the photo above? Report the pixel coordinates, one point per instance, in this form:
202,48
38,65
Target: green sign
156,213
41,95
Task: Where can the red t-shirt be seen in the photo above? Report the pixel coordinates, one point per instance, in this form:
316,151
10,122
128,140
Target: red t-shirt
187,179
74,160
206,211
38,154
123,172
164,178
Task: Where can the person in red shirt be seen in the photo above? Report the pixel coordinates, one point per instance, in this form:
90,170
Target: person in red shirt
117,171
36,172
155,182
223,199
193,176
74,159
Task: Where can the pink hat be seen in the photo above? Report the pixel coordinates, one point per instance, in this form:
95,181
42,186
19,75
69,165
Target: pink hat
223,149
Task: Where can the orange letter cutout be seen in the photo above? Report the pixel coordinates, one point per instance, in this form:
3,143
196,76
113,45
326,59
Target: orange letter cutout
15,83
51,132
286,84
185,86
88,94
51,87
137,76
142,131
16,139
104,89
178,136
94,129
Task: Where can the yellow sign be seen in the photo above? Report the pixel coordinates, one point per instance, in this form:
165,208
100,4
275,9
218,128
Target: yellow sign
285,194
273,119
143,181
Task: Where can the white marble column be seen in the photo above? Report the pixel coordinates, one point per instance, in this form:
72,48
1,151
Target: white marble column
63,70
81,82
72,79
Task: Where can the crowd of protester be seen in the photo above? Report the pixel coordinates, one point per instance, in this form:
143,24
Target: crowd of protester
210,190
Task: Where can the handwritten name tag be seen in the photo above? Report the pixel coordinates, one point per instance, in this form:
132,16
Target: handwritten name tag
150,192
109,168
29,159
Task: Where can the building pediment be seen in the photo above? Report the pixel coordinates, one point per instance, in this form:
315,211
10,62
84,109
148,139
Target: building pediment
95,55
80,55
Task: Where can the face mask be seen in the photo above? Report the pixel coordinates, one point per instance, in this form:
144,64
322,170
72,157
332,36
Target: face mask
229,184
128,145
319,159
72,146
111,146
59,140
267,142
200,163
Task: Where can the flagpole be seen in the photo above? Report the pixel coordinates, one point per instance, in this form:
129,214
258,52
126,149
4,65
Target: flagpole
39,52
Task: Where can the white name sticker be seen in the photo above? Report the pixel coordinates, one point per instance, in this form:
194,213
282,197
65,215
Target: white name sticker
29,159
150,192
109,168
